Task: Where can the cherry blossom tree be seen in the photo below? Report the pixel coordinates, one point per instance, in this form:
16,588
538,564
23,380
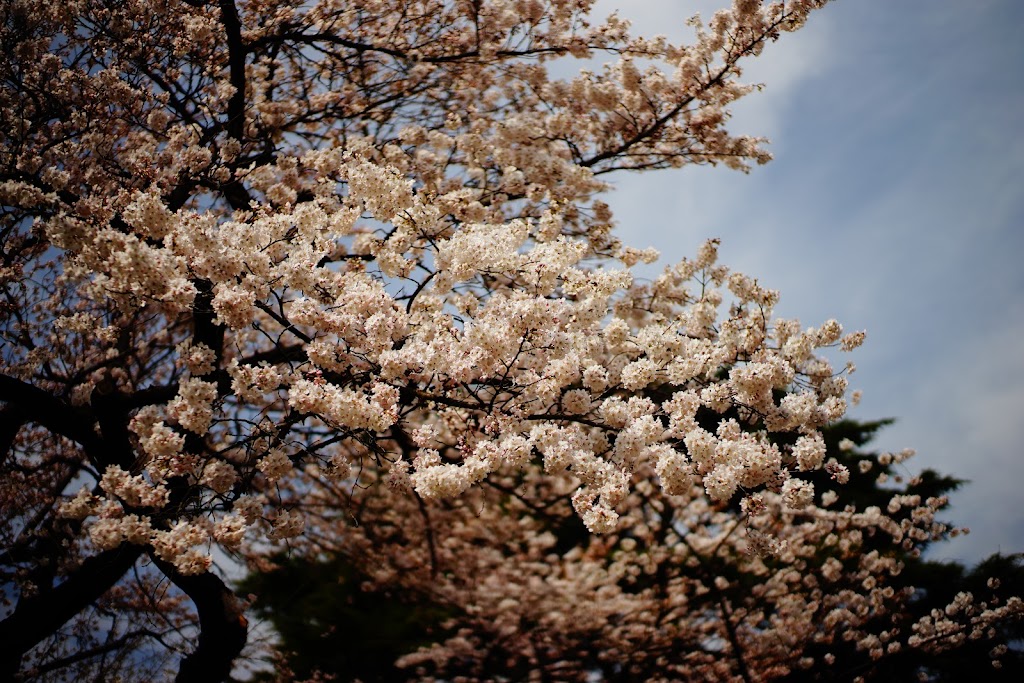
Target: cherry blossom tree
255,251
507,580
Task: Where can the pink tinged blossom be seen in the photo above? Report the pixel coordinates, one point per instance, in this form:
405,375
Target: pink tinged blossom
81,506
275,465
219,476
809,451
234,305
134,490
287,524
797,493
673,469
229,531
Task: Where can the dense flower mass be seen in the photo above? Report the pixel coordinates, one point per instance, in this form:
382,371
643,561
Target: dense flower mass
785,584
259,254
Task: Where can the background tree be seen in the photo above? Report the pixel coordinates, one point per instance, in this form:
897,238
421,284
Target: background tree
255,253
512,583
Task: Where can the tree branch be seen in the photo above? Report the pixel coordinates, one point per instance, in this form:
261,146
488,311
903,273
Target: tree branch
235,124
44,613
33,404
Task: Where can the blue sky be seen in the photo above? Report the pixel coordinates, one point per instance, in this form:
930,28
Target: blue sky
895,204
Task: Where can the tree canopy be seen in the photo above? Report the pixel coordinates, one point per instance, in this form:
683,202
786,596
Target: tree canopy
724,606
270,268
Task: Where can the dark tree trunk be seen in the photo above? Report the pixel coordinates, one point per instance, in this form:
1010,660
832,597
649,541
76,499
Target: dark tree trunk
223,628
